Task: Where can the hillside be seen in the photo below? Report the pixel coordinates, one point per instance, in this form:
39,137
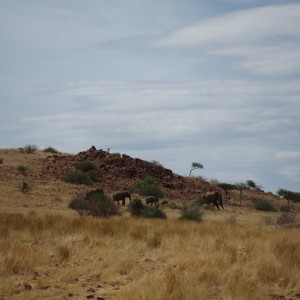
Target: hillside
115,172
47,251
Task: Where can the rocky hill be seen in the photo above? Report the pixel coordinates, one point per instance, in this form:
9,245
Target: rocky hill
114,172
119,171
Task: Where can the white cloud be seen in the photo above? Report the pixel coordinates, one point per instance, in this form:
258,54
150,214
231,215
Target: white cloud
266,39
166,113
291,172
288,155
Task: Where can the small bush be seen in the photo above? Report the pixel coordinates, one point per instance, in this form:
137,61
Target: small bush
80,205
1,160
103,206
24,187
29,149
148,187
192,212
99,205
137,208
152,212
22,169
50,150
264,205
286,218
85,165
78,177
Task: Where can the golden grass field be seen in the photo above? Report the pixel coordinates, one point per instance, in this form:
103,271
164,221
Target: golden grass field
47,251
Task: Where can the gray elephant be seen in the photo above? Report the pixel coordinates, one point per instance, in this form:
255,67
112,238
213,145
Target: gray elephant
121,196
152,200
214,198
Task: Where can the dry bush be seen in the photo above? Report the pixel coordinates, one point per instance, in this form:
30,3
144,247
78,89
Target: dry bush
286,218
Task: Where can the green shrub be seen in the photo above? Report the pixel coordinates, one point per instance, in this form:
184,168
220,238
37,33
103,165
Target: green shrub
78,177
153,212
137,208
148,187
22,169
50,150
192,212
85,165
80,205
99,205
264,205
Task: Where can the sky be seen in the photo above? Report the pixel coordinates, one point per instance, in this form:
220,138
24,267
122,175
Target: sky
175,81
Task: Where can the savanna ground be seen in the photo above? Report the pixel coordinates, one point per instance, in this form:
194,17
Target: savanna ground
47,251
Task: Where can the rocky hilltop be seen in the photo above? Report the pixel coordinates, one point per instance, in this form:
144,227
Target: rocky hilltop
120,171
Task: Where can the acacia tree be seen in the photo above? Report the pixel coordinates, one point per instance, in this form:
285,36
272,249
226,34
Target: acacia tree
227,187
289,195
195,165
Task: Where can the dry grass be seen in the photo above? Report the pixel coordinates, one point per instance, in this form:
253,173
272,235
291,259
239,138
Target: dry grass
129,258
48,252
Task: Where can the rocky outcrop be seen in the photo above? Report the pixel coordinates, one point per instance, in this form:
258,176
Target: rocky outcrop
117,171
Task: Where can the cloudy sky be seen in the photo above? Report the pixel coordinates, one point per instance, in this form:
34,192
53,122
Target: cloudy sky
176,81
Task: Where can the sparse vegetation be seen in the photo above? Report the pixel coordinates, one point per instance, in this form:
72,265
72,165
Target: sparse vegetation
148,187
50,150
264,205
78,177
86,165
29,149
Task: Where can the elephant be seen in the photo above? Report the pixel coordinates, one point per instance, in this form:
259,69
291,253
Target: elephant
213,197
121,196
152,200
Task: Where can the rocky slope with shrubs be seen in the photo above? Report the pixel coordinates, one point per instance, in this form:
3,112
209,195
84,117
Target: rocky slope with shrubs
115,171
